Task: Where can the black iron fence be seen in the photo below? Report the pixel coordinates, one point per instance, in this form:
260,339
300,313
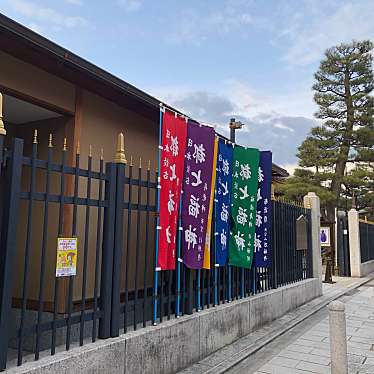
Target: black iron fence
111,209
342,237
366,240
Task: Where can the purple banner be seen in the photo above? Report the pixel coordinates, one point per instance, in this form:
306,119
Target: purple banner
263,216
196,192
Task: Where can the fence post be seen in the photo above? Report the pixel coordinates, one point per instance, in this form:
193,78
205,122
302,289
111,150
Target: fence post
8,244
120,161
274,210
107,252
354,242
311,200
2,133
338,338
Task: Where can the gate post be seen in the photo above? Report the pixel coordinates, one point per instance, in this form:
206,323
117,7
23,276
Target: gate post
8,244
107,252
354,243
311,200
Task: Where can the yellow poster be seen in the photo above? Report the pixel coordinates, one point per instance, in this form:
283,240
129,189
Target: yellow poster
66,261
206,264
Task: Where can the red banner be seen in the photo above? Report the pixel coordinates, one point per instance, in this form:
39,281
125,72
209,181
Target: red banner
174,135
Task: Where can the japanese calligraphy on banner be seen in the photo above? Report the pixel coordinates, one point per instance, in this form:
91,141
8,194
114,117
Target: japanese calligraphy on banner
196,192
262,255
174,134
223,201
244,203
206,264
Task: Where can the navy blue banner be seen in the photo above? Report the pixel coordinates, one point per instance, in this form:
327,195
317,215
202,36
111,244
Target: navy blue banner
263,217
223,201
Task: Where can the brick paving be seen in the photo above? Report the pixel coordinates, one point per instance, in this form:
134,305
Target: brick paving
310,353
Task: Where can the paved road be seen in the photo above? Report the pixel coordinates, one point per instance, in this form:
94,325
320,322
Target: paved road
306,348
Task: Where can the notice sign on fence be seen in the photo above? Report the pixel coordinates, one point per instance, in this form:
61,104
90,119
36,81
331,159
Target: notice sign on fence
66,261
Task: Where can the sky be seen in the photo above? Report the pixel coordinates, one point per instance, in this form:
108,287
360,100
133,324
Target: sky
249,59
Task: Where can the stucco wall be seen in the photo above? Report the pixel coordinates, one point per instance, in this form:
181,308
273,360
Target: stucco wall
32,81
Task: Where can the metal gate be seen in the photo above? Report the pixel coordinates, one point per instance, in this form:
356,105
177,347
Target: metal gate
344,264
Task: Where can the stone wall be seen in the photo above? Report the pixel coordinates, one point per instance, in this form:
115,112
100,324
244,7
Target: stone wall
176,344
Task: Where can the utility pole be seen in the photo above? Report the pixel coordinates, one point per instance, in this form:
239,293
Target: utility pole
234,125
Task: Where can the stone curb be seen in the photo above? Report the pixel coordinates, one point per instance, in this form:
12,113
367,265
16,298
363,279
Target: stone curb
235,359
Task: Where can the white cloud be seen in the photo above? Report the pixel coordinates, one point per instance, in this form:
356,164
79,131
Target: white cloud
47,15
35,27
322,25
131,5
290,168
295,102
75,2
195,26
265,126
280,125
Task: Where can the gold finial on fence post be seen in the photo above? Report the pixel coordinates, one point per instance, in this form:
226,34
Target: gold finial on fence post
65,148
120,153
149,164
50,141
102,154
140,162
2,127
78,151
35,141
90,151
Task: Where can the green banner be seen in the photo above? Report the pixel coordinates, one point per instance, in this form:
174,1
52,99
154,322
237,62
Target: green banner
244,203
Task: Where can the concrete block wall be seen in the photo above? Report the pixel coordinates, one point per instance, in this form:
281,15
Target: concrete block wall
367,268
176,344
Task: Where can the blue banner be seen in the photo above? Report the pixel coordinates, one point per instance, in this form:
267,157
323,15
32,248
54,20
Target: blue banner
263,216
223,201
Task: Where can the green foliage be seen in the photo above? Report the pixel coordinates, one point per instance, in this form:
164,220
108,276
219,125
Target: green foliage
340,151
302,182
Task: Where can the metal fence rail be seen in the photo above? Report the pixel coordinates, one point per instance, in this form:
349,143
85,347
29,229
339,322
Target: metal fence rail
40,202
111,209
366,240
291,265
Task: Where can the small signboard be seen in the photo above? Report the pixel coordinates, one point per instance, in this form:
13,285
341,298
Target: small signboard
66,260
301,233
325,236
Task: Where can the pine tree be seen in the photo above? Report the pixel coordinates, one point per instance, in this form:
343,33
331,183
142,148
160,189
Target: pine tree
345,139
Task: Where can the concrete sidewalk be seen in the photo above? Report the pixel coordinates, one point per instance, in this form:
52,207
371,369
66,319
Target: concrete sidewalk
310,353
238,357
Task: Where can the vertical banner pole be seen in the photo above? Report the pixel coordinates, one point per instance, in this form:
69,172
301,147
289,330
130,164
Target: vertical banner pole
198,289
179,258
242,283
158,223
254,279
215,252
229,283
